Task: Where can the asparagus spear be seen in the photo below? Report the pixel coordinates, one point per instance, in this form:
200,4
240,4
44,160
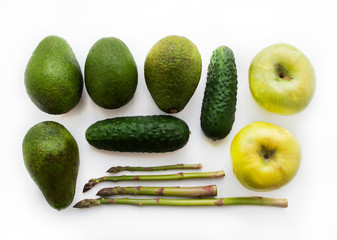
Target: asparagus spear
283,203
157,168
92,182
201,191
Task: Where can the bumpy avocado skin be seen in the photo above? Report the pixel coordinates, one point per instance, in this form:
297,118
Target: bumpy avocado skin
111,75
219,103
159,133
53,77
51,157
172,72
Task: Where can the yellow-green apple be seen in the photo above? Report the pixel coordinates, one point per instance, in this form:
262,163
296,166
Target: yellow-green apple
265,156
282,79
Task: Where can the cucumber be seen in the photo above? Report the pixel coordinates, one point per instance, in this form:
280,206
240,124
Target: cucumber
219,103
158,133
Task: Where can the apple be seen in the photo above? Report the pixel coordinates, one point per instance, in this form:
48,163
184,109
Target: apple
282,79
265,156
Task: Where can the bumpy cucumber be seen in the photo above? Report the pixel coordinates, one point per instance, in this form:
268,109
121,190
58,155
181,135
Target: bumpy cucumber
159,133
219,103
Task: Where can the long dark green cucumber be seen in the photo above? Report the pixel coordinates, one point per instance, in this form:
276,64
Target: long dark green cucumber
159,133
219,103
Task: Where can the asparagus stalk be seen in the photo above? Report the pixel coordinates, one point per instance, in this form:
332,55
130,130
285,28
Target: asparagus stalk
201,191
178,176
283,203
157,168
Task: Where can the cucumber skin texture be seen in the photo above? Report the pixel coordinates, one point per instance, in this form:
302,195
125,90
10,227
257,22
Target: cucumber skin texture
158,133
219,103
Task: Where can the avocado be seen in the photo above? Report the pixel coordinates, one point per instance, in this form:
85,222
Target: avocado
51,157
219,103
53,77
158,133
172,72
111,75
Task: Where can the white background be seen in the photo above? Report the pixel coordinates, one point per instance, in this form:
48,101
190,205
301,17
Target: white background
246,27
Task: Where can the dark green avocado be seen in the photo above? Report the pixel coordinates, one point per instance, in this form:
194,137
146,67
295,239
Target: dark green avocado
159,133
51,157
111,75
53,77
219,103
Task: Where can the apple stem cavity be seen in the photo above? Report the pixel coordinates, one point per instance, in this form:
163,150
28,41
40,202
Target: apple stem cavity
282,72
267,154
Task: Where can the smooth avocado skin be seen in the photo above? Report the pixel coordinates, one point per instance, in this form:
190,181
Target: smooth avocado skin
219,103
158,133
172,72
51,157
53,77
111,75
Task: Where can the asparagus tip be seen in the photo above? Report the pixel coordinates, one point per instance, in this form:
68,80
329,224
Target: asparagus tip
104,192
83,204
113,170
87,187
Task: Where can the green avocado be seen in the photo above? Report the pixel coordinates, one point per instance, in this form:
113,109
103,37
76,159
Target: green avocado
158,133
51,157
111,75
53,77
172,72
219,103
